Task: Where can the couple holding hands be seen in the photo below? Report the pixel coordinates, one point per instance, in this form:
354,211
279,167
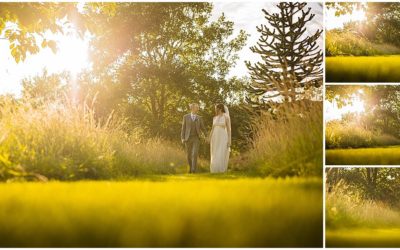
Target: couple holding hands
219,138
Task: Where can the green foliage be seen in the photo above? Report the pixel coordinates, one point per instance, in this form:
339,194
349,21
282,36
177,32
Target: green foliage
26,25
64,141
281,147
378,184
46,88
153,72
342,8
180,211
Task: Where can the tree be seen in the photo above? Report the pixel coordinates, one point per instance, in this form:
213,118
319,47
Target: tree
45,88
342,8
373,183
291,60
157,71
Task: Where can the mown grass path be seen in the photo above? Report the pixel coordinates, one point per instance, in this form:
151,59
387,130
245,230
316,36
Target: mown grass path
363,237
363,69
176,211
363,156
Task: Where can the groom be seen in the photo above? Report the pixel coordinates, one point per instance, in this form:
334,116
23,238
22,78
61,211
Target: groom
192,127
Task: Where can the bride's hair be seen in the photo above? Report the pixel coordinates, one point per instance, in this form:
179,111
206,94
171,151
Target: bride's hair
221,107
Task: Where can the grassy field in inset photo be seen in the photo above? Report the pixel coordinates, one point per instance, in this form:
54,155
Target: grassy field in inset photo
173,211
363,68
362,208
364,237
363,156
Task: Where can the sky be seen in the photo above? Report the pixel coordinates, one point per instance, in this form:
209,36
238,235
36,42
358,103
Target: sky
72,55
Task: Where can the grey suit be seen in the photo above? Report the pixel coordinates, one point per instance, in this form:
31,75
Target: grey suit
190,135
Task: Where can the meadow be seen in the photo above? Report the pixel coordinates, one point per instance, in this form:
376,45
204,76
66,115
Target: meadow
363,156
163,211
64,141
363,68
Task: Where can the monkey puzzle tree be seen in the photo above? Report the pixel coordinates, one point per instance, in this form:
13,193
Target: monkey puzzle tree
291,59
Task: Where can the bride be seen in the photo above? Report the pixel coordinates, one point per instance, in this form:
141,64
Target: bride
220,139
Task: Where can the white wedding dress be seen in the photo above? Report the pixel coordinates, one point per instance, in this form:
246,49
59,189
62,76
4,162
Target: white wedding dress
219,144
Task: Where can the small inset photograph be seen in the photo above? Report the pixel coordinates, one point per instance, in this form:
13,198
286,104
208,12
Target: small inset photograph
362,42
362,125
363,207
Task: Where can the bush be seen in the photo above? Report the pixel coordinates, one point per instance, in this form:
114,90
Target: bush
64,141
290,142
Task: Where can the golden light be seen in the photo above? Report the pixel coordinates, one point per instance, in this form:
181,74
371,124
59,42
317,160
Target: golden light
333,22
358,15
356,105
72,54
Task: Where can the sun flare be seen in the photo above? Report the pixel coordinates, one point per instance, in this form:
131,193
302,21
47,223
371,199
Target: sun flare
72,55
356,105
334,22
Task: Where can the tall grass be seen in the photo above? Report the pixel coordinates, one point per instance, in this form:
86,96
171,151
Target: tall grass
347,43
64,141
345,207
342,135
290,142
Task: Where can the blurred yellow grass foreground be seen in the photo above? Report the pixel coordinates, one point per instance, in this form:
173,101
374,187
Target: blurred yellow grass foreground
174,211
364,237
364,156
363,68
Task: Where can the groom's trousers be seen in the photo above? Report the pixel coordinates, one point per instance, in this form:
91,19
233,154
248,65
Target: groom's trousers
192,150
